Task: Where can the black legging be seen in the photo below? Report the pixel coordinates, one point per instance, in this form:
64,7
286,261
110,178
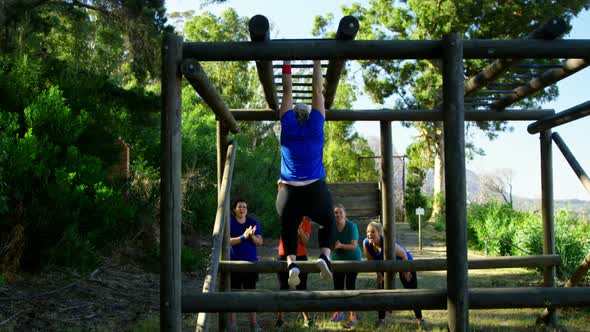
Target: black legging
342,278
314,201
412,284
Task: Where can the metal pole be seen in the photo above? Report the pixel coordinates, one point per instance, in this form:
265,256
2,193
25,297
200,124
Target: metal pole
387,195
454,155
549,273
170,185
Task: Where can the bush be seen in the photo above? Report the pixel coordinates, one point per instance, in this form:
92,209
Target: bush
495,223
55,191
511,232
414,198
190,259
440,224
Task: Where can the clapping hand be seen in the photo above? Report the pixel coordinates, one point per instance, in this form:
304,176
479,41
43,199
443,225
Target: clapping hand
251,230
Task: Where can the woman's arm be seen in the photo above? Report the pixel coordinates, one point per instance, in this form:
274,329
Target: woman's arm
303,235
351,246
402,253
239,239
366,253
257,239
287,100
317,97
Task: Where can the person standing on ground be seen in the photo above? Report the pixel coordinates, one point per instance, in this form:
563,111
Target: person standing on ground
303,191
303,234
246,236
346,248
373,250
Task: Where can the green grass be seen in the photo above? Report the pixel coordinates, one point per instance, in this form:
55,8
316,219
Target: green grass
492,320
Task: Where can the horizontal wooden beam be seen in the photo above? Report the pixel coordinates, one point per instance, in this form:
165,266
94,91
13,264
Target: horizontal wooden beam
392,266
329,49
401,115
301,65
569,115
372,300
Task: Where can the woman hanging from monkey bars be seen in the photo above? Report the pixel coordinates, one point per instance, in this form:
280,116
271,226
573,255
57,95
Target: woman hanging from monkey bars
303,191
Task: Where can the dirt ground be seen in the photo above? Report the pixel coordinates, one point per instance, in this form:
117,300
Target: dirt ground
113,297
123,297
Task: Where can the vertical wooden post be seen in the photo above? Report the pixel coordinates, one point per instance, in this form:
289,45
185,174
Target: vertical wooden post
404,212
170,191
454,153
387,199
420,232
549,272
224,285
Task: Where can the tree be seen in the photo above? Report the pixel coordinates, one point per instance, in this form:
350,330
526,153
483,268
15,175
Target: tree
87,31
344,145
498,184
418,84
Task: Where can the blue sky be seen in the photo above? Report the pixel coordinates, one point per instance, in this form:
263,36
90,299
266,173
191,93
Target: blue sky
517,150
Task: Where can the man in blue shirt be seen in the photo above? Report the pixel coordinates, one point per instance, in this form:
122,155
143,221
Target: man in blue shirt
303,191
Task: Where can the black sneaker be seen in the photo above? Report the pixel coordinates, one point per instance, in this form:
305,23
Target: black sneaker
293,275
325,267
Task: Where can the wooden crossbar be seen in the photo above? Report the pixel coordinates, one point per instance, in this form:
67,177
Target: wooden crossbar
392,266
369,300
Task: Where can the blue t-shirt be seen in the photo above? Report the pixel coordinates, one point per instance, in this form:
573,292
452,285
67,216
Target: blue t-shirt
378,256
302,147
245,250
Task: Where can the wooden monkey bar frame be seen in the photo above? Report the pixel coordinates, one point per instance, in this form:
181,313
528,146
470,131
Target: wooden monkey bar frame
180,58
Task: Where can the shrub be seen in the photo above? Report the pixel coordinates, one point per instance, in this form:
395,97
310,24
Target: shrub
440,224
512,232
495,223
190,259
56,191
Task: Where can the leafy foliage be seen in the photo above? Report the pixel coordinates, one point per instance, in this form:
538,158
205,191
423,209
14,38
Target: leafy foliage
409,84
413,196
511,232
58,190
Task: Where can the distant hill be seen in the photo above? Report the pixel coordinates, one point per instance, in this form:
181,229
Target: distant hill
580,208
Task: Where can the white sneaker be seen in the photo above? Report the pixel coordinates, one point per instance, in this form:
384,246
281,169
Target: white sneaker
293,275
324,264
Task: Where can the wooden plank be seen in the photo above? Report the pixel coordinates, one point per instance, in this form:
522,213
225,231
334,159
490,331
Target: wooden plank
217,237
371,300
393,265
352,202
353,188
